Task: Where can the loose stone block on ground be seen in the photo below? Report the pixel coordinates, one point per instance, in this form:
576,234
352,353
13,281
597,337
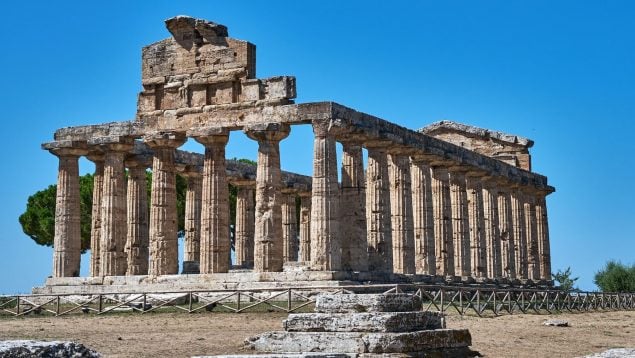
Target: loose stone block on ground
364,322
394,302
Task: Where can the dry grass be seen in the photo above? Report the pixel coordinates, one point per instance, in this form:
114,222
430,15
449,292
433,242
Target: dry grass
182,335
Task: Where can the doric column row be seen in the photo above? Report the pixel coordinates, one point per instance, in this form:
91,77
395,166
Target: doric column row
408,213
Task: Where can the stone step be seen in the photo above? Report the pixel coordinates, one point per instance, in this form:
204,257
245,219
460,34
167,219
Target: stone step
352,342
364,322
349,303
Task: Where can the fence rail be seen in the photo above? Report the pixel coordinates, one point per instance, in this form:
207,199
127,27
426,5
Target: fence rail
447,299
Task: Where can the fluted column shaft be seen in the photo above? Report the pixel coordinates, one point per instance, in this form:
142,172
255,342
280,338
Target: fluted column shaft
95,225
401,215
289,228
245,226
353,209
214,237
460,224
138,236
531,235
268,249
378,219
163,216
423,218
491,230
305,227
67,239
113,259
442,214
478,254
193,199
325,201
542,229
520,234
506,230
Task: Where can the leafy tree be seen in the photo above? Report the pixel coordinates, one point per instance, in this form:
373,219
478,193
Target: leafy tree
565,281
616,277
38,221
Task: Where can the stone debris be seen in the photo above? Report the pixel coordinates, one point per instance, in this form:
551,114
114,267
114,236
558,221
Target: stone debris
364,325
28,348
615,353
556,323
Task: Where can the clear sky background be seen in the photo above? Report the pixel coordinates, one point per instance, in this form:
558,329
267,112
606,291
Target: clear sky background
561,73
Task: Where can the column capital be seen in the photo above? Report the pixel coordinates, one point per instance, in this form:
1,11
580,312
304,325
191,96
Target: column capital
162,139
95,154
243,183
189,171
209,136
66,148
112,143
325,128
268,132
138,161
304,194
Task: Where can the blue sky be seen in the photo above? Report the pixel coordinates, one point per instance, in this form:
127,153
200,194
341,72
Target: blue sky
560,73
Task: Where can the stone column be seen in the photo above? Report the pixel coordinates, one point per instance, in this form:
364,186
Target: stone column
423,218
192,224
460,223
478,256
245,224
326,252
305,226
378,219
113,259
163,217
215,242
95,225
442,214
520,235
137,208
268,223
67,244
289,227
401,214
542,230
491,229
531,235
506,230
353,209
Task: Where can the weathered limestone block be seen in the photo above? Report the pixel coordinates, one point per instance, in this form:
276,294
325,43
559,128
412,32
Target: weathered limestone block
95,225
364,322
378,211
353,209
245,225
29,348
353,342
137,238
423,218
163,220
268,222
403,254
325,201
305,226
214,238
442,213
289,227
393,302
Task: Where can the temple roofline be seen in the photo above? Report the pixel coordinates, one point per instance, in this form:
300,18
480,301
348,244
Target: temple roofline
477,131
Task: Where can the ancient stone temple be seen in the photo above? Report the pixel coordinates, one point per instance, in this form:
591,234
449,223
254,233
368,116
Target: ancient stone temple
446,203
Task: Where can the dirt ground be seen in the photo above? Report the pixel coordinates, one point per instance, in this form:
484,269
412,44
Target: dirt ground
184,335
